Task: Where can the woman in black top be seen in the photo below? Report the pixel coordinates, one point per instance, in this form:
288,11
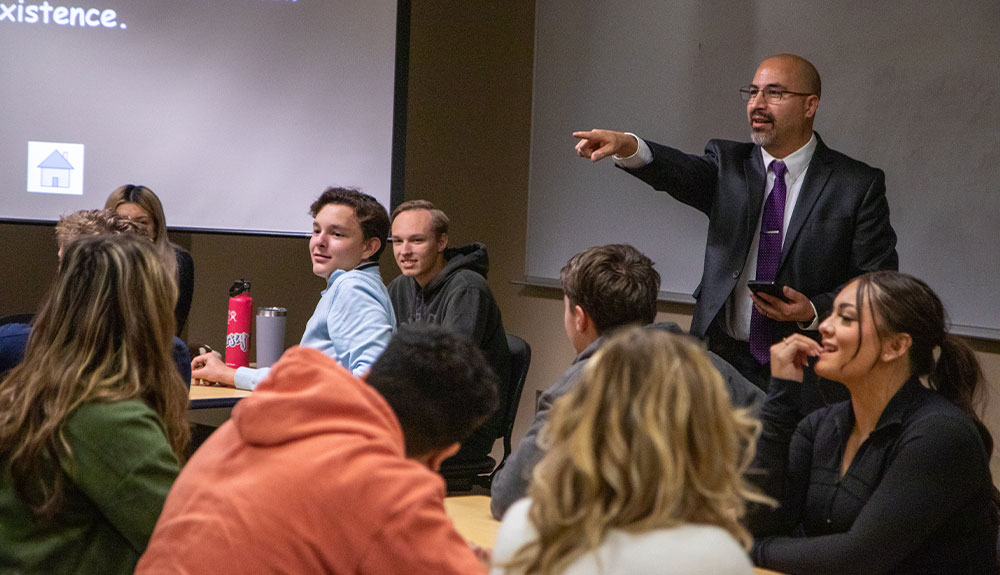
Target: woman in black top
140,204
895,480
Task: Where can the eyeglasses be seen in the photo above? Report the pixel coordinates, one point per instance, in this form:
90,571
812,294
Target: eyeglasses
772,95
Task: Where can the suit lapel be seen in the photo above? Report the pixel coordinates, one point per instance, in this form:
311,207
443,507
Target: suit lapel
753,169
816,177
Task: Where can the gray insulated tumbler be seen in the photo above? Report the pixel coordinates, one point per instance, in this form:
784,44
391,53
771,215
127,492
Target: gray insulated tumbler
270,335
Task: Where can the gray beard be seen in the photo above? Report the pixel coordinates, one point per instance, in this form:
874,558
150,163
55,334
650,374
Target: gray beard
761,138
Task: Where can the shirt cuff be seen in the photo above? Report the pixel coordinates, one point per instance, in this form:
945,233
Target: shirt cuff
643,156
247,378
814,324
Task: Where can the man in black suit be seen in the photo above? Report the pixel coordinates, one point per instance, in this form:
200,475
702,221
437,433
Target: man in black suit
833,225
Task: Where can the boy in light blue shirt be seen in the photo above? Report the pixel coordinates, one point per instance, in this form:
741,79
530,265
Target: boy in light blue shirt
353,320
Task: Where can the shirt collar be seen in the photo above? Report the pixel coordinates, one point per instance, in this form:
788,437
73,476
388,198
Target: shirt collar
796,162
900,403
893,414
367,267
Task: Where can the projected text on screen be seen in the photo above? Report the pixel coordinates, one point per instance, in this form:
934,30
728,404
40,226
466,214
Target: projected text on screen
45,13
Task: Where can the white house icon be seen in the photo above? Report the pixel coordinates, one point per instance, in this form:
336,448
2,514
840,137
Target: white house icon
55,171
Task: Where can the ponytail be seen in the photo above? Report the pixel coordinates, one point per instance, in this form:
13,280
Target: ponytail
957,376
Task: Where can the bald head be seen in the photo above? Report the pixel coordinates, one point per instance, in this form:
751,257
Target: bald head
782,111
802,69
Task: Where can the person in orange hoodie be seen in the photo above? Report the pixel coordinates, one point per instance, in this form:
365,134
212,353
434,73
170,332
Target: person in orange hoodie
321,472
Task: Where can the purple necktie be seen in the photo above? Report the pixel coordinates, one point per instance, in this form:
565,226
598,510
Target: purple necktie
768,256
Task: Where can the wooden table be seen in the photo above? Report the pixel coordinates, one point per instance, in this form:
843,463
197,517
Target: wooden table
472,518
208,397
473,521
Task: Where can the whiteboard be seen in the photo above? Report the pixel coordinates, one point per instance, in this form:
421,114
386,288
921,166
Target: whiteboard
910,87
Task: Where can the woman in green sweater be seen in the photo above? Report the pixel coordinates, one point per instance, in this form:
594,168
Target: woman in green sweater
93,422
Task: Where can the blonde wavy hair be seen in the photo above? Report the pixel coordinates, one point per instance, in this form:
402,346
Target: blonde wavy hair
104,333
647,440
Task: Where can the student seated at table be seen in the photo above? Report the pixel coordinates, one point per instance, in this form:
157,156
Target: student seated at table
447,286
86,223
604,287
353,320
896,479
143,206
322,472
94,422
644,470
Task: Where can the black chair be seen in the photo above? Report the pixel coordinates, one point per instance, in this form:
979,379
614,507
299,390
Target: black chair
520,361
463,477
17,318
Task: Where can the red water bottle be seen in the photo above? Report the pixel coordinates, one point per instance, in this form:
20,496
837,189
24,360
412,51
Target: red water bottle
238,326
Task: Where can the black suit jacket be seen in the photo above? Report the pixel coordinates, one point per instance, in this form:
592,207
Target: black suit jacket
839,227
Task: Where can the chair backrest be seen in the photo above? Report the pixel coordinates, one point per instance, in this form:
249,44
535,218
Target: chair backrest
520,361
462,476
17,318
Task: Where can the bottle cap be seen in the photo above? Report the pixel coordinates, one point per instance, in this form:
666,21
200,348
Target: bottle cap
239,286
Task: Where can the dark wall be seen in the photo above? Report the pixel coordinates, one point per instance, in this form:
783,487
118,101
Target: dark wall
28,258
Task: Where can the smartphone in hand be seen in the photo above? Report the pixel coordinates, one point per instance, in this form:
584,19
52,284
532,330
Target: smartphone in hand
770,288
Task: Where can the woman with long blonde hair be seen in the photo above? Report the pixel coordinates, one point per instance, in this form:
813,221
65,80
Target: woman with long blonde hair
141,205
643,473
93,422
